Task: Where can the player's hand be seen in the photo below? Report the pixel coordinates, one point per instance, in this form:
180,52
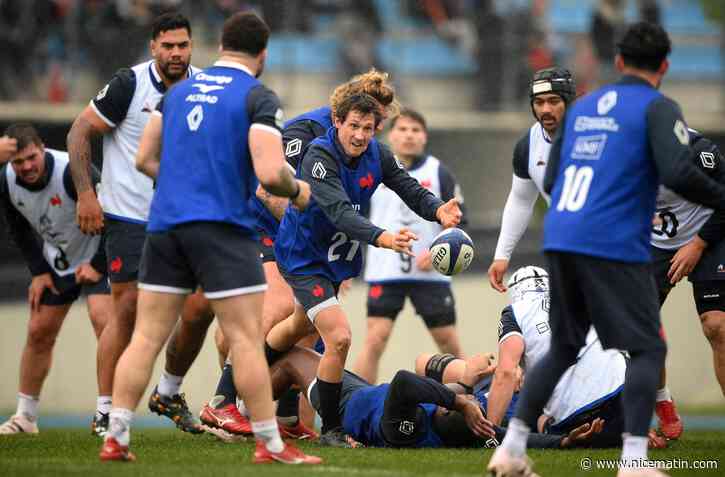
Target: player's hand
89,213
85,273
37,287
398,242
478,367
8,147
424,261
303,198
474,417
583,434
345,287
496,272
686,259
449,214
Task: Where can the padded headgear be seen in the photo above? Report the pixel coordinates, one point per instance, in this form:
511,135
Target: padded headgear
528,279
553,80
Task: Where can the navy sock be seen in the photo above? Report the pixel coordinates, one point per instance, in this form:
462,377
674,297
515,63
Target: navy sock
329,404
288,404
226,386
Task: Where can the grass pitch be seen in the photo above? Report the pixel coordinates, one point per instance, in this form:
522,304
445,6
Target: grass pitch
167,452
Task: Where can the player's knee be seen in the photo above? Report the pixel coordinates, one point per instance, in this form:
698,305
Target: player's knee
125,304
340,341
42,334
377,339
713,326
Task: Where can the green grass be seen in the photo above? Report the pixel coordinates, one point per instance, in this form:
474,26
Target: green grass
166,452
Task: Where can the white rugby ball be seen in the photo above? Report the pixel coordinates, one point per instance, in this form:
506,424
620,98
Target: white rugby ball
451,251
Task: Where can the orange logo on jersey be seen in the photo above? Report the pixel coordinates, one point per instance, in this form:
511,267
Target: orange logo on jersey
367,181
267,242
55,200
426,183
318,291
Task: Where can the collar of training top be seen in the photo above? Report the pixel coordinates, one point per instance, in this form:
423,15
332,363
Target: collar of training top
156,79
635,80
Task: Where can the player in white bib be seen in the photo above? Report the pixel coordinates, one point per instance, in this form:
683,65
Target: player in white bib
394,276
39,204
550,92
591,389
119,114
687,240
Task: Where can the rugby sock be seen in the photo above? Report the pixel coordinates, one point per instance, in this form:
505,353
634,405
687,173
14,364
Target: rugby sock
103,405
119,426
169,385
28,406
329,404
516,436
664,394
634,450
242,407
640,389
272,354
225,388
288,407
268,432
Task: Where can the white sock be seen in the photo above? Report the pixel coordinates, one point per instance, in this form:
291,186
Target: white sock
28,406
119,426
516,436
169,385
634,450
268,432
242,408
664,394
103,405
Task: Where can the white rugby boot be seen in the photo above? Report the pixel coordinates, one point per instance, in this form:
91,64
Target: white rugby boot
19,424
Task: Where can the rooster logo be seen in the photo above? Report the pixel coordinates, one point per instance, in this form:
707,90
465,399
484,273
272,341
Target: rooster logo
367,181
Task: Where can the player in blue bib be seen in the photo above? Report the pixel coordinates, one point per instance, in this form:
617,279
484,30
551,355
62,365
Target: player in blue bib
320,247
210,142
616,145
298,133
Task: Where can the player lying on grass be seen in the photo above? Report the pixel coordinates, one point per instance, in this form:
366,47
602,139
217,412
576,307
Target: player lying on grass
590,389
411,410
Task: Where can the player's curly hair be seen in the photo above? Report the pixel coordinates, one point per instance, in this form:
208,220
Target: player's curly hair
374,83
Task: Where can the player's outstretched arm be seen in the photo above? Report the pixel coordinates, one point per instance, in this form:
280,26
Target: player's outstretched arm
419,199
87,125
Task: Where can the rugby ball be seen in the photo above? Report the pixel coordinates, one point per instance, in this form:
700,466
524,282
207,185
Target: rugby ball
451,251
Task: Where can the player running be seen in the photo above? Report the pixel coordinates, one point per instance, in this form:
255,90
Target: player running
393,277
119,113
38,197
319,248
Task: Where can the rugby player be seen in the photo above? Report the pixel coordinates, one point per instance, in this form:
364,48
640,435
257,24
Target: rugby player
119,113
39,202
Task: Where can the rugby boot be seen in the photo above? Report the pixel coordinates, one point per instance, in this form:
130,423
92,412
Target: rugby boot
289,455
670,424
503,464
299,431
337,438
99,425
113,451
19,424
227,418
176,409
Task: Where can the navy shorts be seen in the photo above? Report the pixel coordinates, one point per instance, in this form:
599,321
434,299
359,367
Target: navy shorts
708,286
70,291
124,244
313,292
618,298
216,256
433,301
